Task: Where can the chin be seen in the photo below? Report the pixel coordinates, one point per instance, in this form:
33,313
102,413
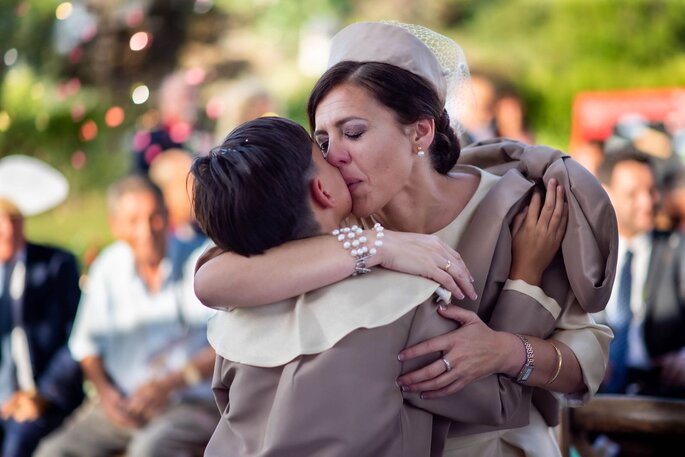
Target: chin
361,211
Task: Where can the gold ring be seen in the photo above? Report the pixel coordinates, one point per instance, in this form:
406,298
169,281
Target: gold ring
448,265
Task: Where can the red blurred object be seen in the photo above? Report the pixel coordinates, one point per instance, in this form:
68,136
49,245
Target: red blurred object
596,113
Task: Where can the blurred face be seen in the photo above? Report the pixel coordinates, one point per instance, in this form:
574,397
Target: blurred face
140,222
481,113
11,235
633,196
364,140
334,184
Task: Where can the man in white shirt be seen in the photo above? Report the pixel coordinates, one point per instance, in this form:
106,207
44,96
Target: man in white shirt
140,336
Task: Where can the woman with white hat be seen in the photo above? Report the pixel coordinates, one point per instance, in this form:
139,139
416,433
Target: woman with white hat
379,115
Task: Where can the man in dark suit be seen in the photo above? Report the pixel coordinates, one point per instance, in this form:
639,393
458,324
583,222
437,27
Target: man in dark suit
647,307
40,384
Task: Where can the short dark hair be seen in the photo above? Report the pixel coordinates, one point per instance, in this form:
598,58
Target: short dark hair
251,193
408,95
625,153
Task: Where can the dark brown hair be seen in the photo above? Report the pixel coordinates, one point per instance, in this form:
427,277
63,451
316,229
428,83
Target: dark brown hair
625,153
251,193
409,96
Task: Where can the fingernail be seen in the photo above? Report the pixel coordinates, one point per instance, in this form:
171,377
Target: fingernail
442,307
423,397
400,357
405,388
460,296
472,279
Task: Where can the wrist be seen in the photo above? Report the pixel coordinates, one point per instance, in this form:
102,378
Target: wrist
530,277
516,355
362,245
529,363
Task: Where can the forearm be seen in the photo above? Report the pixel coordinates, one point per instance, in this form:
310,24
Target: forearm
561,374
583,343
230,280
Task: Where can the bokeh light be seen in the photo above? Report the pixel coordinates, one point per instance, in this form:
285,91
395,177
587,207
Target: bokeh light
135,16
195,76
202,6
89,130
63,10
78,160
11,56
139,41
114,116
140,94
214,108
5,121
179,132
77,112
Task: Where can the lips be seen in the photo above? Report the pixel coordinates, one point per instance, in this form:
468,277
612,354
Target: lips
352,183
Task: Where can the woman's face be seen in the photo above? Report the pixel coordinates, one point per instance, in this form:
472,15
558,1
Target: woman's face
365,141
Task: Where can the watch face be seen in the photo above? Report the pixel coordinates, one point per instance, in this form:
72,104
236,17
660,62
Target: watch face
526,373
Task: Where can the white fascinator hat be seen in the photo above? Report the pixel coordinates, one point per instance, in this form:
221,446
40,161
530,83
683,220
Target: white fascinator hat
29,186
436,58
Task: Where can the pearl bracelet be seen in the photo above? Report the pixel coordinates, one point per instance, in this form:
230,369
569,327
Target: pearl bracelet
353,238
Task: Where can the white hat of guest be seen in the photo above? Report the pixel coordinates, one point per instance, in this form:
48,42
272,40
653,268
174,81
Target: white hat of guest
30,186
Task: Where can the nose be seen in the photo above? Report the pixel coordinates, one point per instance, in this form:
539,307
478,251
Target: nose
338,155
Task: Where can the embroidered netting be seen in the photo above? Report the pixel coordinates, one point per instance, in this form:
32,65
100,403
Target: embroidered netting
455,70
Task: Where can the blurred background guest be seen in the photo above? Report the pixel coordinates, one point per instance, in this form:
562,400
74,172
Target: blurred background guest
647,307
510,115
173,125
589,154
170,172
140,336
40,384
478,120
673,201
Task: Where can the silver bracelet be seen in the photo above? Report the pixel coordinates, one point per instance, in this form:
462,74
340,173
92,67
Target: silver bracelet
529,364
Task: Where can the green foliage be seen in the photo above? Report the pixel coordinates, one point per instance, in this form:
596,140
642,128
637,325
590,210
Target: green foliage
552,50
79,224
281,20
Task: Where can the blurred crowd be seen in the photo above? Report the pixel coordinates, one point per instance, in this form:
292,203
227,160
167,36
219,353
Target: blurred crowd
640,164
120,363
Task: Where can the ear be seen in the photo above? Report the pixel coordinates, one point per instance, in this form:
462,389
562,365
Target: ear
320,195
424,132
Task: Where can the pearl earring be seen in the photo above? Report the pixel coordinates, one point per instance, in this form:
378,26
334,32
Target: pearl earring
420,152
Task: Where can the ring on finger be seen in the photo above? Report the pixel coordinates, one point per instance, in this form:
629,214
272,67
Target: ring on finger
448,365
448,265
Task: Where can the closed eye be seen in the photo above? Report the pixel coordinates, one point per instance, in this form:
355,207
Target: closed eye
324,148
354,135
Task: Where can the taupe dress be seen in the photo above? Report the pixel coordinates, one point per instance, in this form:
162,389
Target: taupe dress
315,376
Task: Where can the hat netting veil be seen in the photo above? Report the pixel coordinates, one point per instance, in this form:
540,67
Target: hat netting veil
450,56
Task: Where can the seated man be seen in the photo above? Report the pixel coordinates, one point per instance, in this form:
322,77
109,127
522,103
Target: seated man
40,384
140,337
316,375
